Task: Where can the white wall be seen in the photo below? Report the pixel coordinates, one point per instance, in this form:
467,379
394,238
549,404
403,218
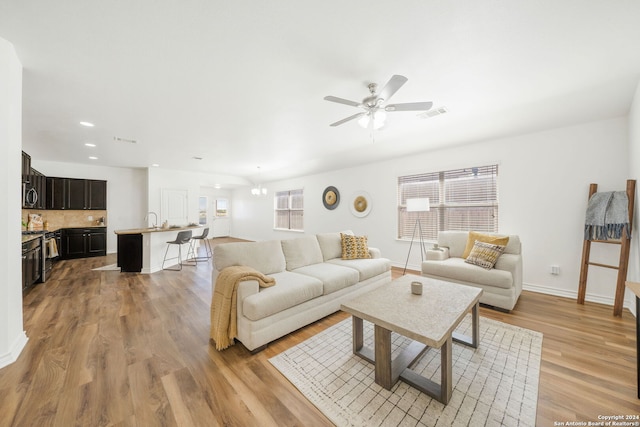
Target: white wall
12,336
126,192
543,187
634,173
160,179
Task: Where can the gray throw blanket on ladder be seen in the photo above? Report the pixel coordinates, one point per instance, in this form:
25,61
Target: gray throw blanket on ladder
607,215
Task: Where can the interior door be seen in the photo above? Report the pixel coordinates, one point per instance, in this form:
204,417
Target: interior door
175,206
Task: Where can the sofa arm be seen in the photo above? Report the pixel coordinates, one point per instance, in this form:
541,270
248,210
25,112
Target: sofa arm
513,264
439,254
245,289
375,253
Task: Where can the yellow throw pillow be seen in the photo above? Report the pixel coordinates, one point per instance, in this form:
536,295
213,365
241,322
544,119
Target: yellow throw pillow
484,255
486,238
354,247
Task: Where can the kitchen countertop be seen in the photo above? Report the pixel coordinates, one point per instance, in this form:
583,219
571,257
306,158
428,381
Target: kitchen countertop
157,229
29,237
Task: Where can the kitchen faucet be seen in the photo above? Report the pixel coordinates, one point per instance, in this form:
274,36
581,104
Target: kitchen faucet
155,223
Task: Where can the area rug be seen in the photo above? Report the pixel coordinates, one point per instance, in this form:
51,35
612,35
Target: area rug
110,267
493,385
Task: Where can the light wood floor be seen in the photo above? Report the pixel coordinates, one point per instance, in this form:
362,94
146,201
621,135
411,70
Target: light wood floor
110,348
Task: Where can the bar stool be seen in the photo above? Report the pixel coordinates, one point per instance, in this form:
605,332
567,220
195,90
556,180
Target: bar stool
206,244
182,238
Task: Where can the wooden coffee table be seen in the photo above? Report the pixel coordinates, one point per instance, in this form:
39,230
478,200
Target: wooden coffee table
428,319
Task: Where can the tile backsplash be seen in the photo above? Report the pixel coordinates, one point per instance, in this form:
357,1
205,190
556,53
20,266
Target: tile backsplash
67,218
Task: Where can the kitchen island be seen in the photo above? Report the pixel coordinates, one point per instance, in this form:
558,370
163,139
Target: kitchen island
141,250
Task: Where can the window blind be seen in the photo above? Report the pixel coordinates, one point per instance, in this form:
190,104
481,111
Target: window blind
460,199
289,210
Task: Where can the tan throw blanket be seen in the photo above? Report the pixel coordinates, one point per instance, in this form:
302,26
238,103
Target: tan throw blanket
224,326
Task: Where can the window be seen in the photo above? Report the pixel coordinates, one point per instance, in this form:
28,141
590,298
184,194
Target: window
460,199
222,207
202,210
289,210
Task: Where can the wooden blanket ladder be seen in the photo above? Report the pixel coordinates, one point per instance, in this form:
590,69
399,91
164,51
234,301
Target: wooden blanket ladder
623,264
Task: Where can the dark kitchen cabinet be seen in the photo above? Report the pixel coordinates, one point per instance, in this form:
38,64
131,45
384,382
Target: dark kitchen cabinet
96,194
76,194
56,193
26,166
31,262
97,243
83,242
130,252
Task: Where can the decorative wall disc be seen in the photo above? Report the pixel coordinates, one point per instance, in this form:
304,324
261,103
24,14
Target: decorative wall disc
361,204
331,198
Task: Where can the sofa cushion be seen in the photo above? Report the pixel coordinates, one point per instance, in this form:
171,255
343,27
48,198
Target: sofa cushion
301,251
484,254
331,244
334,277
266,257
290,290
474,237
367,268
456,241
354,247
458,269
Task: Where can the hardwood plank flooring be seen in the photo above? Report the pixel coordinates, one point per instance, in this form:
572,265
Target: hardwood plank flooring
110,348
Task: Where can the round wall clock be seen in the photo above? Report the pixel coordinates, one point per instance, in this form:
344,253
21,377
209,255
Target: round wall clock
361,204
331,198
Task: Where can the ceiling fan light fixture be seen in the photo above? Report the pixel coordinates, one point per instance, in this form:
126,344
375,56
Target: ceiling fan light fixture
364,121
379,118
258,190
375,105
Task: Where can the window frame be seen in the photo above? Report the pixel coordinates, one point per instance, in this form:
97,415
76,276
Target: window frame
294,210
447,191
203,210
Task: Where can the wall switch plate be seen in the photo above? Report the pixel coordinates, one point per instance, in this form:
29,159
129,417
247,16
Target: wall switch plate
555,270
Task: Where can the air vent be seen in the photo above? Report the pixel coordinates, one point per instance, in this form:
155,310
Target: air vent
130,141
433,112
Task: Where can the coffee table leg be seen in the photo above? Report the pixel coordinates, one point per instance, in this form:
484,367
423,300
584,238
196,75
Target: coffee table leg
445,372
475,325
383,357
474,339
358,339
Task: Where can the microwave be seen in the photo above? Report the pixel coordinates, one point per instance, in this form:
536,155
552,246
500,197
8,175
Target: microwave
29,195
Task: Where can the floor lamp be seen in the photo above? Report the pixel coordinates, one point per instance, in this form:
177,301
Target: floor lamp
417,205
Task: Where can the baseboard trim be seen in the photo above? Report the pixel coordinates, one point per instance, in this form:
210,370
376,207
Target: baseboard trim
599,299
15,350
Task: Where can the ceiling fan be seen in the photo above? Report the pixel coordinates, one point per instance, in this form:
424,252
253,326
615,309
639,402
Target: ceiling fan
374,105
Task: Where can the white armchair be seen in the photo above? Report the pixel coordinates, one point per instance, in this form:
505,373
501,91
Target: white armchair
502,284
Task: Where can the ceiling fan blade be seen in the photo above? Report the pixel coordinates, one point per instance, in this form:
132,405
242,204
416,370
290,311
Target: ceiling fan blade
342,101
409,106
355,116
395,82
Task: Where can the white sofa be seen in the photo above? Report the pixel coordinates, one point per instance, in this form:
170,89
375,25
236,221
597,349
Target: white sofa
502,285
311,282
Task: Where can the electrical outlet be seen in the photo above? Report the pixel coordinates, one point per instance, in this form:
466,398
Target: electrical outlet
90,218
555,270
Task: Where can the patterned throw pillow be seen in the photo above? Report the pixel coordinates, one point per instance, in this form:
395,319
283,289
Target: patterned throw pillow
484,254
354,247
474,236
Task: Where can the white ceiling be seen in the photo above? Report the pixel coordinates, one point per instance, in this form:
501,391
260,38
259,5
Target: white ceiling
241,83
